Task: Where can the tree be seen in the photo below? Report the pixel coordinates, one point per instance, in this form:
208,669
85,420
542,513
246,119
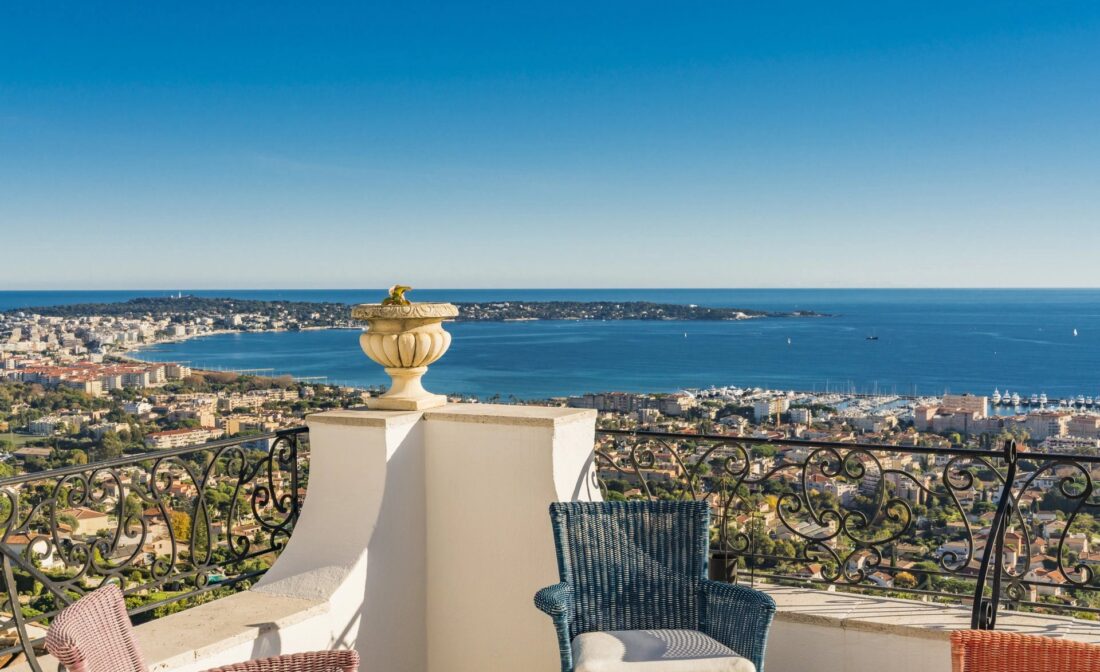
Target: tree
132,508
785,549
110,447
981,507
763,451
180,523
905,580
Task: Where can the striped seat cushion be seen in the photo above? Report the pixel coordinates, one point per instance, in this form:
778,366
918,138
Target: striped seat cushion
654,651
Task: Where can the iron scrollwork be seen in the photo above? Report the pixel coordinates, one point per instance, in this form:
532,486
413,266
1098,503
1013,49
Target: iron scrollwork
910,521
169,527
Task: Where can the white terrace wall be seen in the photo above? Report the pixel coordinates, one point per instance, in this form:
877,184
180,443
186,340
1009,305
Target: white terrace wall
425,534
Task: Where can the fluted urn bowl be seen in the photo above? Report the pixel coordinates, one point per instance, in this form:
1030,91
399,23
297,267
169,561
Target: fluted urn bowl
405,340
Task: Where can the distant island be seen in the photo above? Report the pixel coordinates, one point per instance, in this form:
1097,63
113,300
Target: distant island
227,312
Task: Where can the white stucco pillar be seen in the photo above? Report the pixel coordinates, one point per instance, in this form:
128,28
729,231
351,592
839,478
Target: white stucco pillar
492,472
359,544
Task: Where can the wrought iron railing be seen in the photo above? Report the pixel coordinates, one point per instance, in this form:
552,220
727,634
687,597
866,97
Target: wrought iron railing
172,527
910,521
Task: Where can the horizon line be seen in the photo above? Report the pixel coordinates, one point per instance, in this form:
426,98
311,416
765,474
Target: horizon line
559,289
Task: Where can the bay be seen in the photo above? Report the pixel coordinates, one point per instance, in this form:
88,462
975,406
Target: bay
929,341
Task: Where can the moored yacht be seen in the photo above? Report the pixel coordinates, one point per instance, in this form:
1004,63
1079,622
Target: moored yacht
1015,398
1034,400
1043,398
996,398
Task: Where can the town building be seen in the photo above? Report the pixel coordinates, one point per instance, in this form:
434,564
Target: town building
1045,424
764,410
801,416
178,438
967,403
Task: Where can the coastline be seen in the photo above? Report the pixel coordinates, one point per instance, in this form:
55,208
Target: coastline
929,341
127,353
131,354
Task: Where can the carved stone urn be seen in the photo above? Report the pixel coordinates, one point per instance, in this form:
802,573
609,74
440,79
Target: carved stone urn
405,339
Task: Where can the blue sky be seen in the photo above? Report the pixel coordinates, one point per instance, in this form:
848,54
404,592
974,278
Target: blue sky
271,144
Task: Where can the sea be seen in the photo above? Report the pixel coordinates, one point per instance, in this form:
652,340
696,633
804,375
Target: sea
885,341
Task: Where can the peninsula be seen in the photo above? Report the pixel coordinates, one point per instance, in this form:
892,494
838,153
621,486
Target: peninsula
253,315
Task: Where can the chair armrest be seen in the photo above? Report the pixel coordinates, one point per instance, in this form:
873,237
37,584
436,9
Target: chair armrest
557,602
739,617
313,661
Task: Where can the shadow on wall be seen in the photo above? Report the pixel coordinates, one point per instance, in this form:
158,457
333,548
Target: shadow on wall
268,643
588,486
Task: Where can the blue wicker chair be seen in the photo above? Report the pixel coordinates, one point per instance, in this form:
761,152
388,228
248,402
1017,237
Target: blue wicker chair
641,567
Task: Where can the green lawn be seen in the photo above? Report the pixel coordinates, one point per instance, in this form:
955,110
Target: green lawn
19,439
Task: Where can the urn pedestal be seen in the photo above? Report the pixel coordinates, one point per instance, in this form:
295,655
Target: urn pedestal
405,340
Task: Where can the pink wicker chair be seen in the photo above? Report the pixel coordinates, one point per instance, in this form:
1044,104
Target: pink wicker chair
95,635
992,651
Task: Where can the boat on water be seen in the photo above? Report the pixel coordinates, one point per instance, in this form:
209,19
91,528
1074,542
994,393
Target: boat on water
1015,398
1034,400
872,338
996,398
1043,399
1080,400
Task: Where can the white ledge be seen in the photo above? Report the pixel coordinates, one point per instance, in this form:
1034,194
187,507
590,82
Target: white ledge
505,414
485,414
204,631
363,418
910,618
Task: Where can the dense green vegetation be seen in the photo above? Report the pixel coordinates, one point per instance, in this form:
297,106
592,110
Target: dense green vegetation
22,403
